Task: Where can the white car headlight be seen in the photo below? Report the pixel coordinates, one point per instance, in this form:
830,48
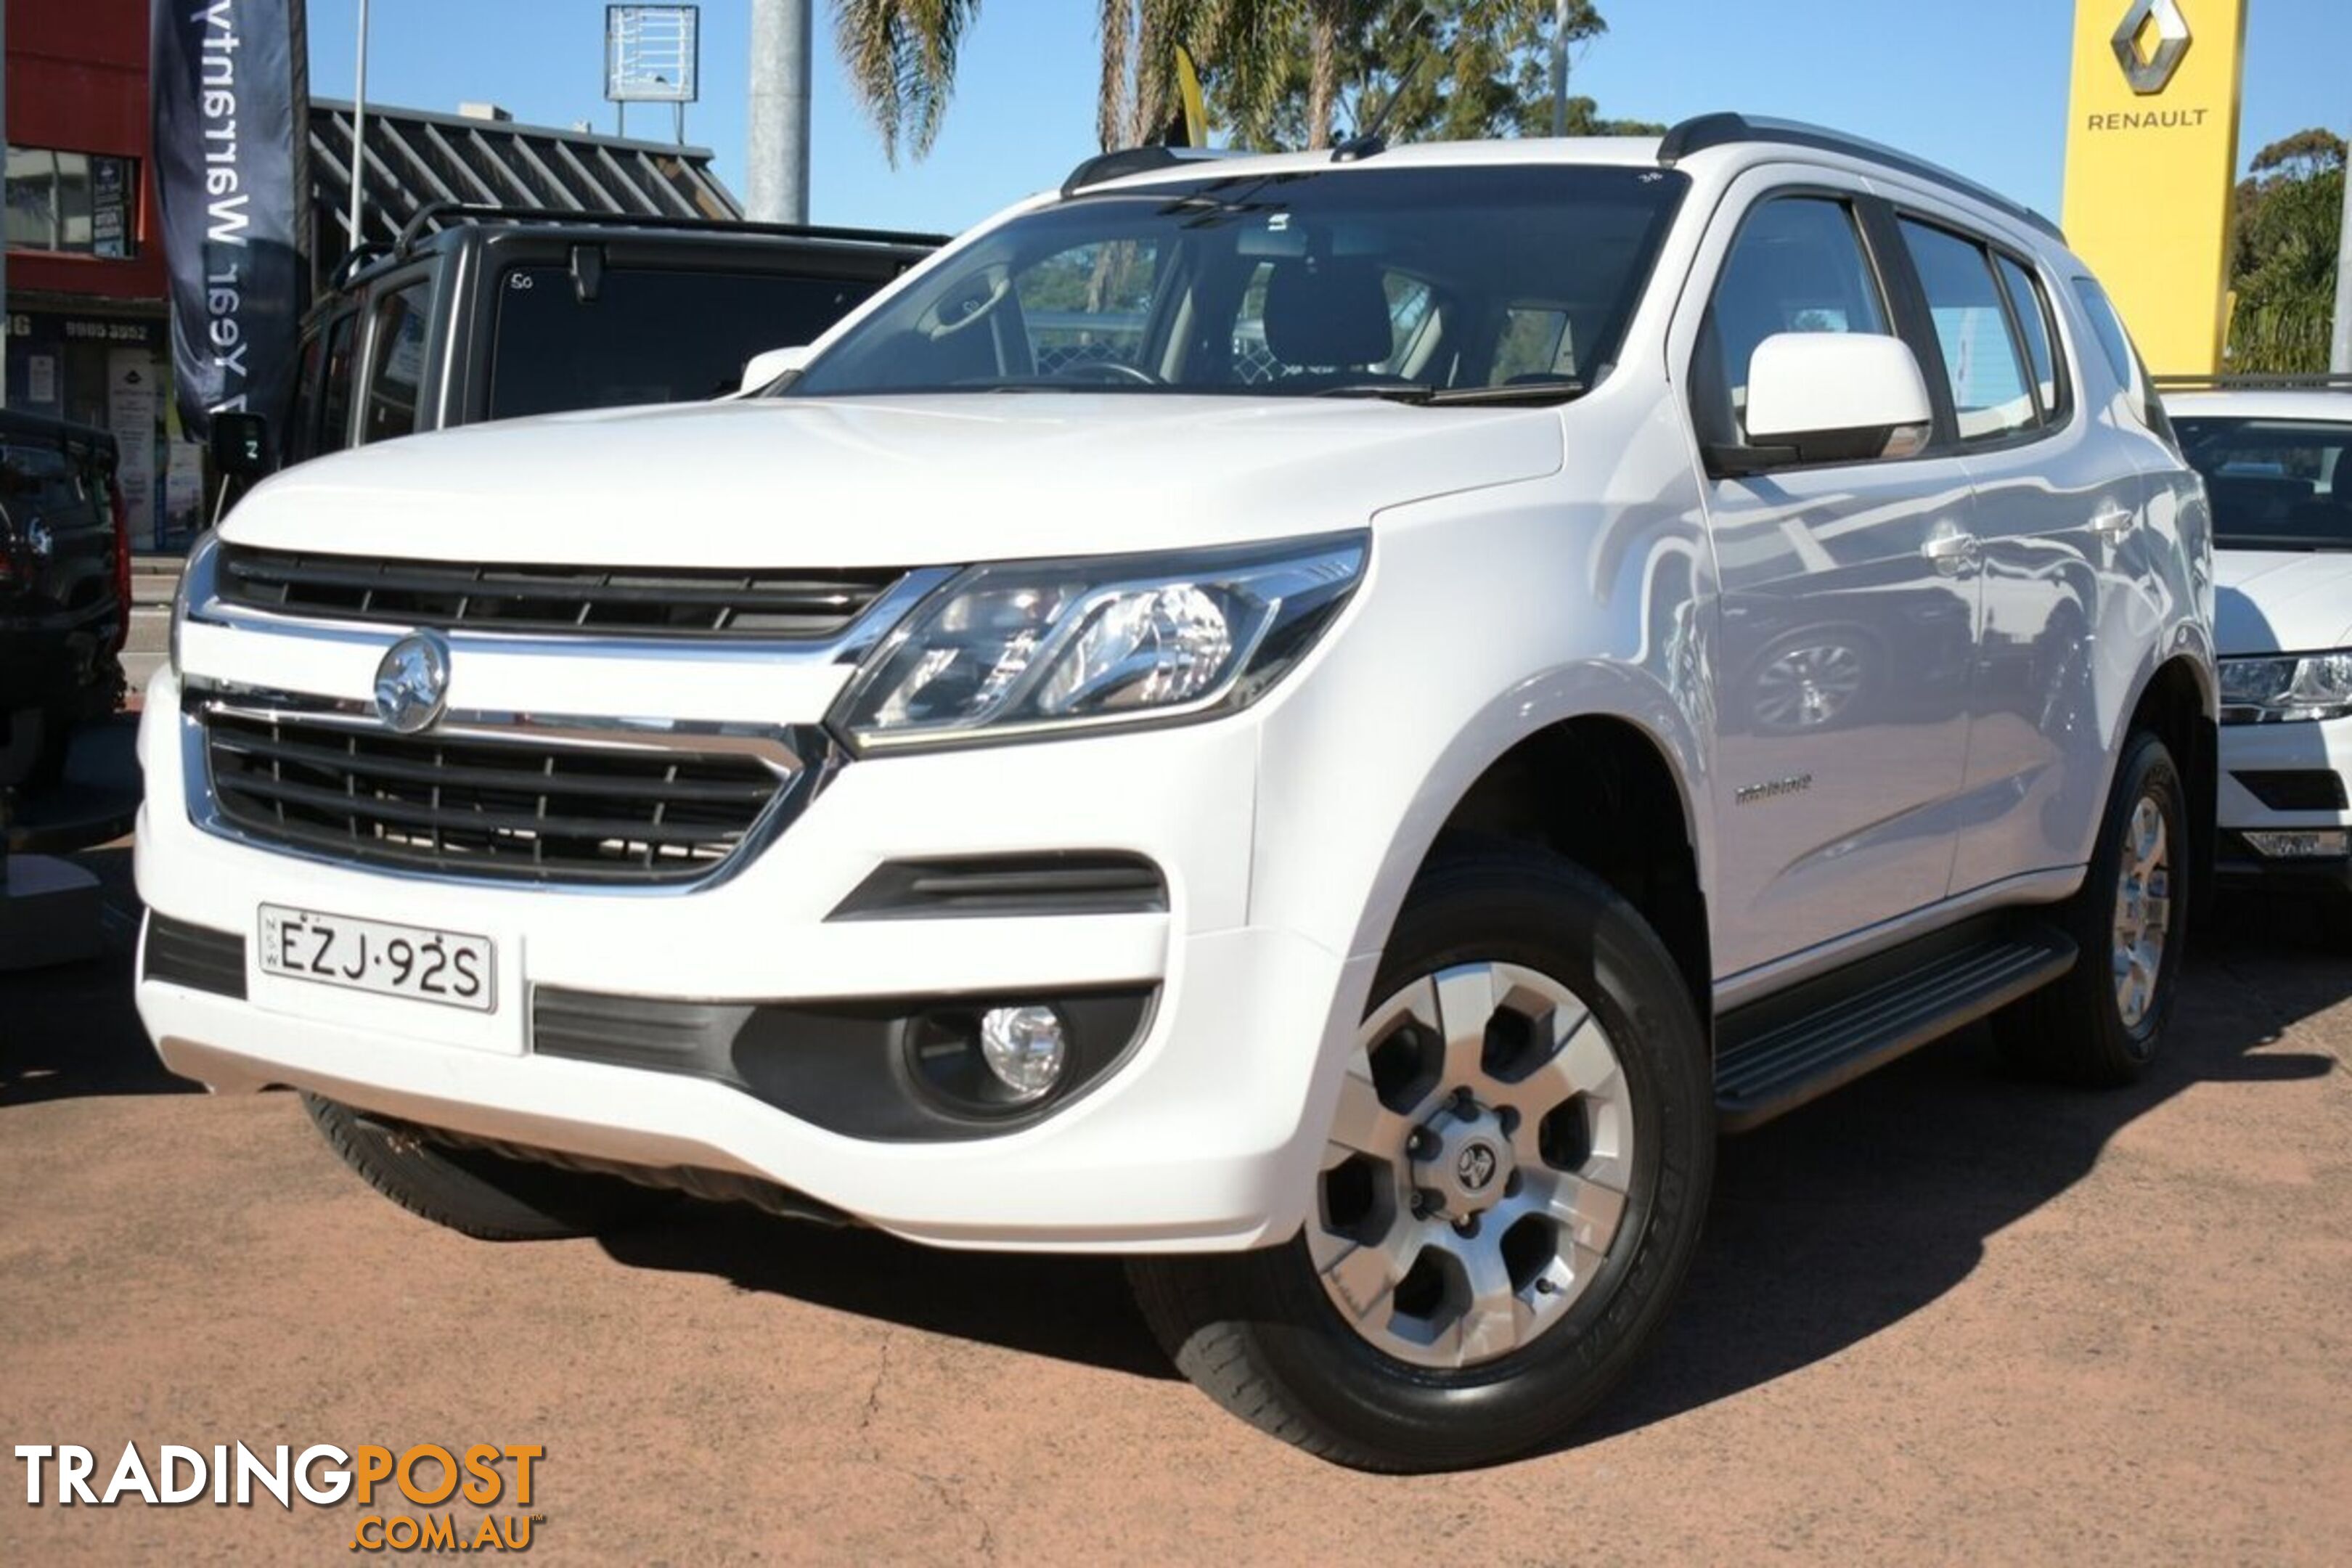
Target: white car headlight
1045,647
195,583
2273,690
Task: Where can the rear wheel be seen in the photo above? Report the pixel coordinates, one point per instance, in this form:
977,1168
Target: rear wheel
475,1191
2100,1025
1509,1196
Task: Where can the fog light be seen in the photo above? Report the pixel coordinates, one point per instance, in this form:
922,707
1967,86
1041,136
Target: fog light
1025,1047
2308,845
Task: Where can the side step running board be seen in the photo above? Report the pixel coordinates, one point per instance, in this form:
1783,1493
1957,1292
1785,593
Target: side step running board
1778,1054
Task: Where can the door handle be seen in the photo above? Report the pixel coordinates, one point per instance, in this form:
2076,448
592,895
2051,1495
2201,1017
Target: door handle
2113,524
1950,550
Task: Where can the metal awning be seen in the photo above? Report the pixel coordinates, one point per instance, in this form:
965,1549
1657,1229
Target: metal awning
414,158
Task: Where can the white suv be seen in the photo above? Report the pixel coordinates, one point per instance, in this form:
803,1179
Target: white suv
1322,722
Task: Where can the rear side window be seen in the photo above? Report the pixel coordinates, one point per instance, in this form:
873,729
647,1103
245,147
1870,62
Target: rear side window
648,336
1798,265
2033,314
397,372
1984,362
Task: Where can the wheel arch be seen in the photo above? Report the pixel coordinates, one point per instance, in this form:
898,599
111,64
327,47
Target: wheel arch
1563,775
2177,703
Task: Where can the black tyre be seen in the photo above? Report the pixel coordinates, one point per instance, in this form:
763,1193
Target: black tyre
1512,1191
2099,1027
475,1191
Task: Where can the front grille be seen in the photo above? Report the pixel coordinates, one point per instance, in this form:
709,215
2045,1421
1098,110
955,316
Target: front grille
2294,789
635,602
528,809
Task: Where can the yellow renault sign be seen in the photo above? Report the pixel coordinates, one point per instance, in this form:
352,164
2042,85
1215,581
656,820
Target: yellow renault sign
2151,154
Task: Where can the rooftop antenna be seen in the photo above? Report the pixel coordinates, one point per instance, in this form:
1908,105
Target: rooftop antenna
1369,141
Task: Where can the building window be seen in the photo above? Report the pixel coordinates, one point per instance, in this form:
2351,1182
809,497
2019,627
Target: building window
78,202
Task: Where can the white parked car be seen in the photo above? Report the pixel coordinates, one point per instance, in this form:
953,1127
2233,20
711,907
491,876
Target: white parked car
2276,469
1322,722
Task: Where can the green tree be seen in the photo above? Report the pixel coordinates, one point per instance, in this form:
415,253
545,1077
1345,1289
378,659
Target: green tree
2289,210
1457,68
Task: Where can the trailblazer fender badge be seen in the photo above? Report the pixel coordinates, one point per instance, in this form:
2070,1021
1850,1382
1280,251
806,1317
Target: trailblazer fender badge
412,683
1773,789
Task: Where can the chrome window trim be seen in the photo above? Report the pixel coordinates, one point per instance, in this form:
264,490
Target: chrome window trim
803,758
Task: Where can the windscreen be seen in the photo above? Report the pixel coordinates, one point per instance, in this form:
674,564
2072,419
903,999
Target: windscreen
1356,280
2274,484
649,336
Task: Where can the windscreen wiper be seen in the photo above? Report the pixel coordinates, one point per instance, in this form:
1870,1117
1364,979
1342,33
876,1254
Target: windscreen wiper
1419,392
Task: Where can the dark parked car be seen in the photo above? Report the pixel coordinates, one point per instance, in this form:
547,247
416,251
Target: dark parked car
504,313
64,589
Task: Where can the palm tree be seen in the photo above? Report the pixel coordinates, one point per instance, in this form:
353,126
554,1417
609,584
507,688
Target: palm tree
901,55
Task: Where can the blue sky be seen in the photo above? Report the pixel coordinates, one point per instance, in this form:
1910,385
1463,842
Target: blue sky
1980,85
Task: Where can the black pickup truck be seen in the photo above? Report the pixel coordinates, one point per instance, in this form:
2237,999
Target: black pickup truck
484,313
64,589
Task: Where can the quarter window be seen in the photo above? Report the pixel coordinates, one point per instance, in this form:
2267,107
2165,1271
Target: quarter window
2122,358
399,367
1797,266
1984,365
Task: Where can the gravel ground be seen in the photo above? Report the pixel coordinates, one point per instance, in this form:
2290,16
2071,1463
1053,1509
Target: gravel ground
1943,1315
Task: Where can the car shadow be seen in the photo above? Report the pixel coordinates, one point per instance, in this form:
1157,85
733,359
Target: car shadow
72,1030
1827,1226
1851,1214
1072,1308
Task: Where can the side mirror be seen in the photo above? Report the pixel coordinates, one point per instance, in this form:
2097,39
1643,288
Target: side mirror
772,365
1830,398
240,445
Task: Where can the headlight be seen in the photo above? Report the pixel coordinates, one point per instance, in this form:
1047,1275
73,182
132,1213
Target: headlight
1045,647
2276,691
195,585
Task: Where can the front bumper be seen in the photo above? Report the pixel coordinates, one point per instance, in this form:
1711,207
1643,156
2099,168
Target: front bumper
1195,1141
2292,763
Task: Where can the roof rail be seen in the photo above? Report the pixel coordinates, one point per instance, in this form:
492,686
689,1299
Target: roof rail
1127,160
2256,381
1701,131
461,212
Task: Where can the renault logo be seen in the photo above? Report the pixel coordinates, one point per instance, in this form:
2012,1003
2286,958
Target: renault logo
2151,72
412,684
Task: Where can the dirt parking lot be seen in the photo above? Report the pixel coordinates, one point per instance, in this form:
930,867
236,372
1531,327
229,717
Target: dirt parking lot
1944,1315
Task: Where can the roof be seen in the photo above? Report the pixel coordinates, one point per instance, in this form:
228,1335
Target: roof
1751,137
415,159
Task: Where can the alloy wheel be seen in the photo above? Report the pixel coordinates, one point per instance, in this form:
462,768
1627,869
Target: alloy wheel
1476,1170
2143,912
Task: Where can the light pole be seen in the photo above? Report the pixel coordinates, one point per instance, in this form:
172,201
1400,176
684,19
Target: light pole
359,130
777,190
1560,69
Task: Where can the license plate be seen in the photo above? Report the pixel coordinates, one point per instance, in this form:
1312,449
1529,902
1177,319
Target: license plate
415,962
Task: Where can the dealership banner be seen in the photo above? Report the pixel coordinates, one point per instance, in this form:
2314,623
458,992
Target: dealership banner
229,82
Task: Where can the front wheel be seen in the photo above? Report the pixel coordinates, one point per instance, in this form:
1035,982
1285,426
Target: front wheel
1509,1195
